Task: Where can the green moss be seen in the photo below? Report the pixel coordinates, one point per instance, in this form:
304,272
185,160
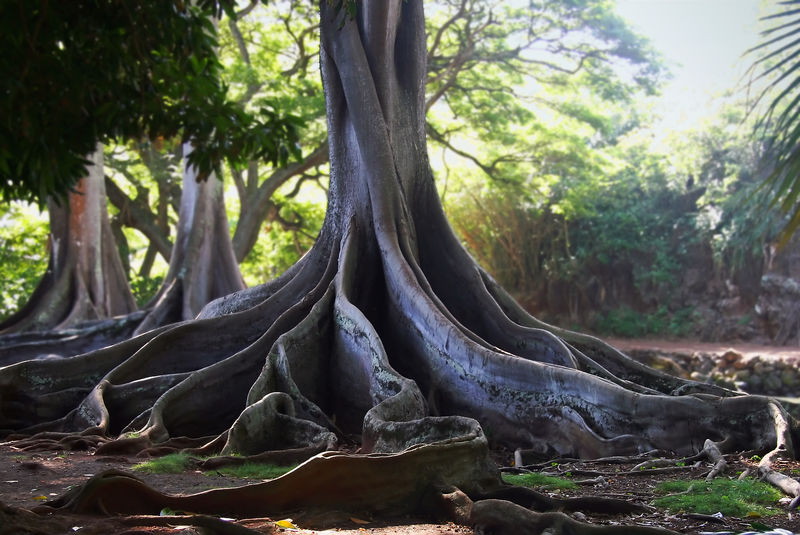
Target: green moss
539,481
252,471
730,497
174,463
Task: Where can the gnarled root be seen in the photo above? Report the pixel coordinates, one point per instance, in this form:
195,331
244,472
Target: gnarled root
501,517
386,484
14,520
783,448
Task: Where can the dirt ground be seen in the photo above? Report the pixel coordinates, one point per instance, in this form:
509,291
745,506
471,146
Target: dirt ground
29,479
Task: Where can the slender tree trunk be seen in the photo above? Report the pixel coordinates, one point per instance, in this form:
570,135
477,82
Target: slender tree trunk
202,265
85,279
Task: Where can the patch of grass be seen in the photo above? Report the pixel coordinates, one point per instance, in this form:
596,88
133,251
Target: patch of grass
730,497
174,463
252,471
539,480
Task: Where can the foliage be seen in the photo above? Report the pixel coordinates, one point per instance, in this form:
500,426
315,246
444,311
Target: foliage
23,254
607,237
144,288
506,84
284,239
729,497
121,70
779,62
628,323
535,479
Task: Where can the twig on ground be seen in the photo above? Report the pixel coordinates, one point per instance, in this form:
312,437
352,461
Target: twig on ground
784,445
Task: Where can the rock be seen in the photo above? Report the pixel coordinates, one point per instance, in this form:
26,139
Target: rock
731,356
772,383
740,364
789,377
742,375
699,377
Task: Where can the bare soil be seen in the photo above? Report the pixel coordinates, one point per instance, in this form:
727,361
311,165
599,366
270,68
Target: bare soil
29,479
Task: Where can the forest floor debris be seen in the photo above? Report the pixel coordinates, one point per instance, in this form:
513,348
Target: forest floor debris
30,478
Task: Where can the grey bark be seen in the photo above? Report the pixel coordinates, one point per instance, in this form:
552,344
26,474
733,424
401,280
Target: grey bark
202,265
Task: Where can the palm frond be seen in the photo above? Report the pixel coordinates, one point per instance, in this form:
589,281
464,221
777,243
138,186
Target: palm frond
779,65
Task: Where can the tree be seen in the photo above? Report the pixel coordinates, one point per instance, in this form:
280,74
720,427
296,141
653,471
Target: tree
84,279
386,330
202,265
485,63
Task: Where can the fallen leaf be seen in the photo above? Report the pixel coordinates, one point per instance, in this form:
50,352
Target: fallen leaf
286,523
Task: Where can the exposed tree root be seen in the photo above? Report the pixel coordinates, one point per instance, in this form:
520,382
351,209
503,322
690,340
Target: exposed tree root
531,499
783,448
711,449
67,342
376,483
286,457
14,521
501,517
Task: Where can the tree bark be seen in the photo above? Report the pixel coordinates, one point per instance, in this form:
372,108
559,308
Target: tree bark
85,279
386,334
202,265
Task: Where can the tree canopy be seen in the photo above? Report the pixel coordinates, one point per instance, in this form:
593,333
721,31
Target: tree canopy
75,73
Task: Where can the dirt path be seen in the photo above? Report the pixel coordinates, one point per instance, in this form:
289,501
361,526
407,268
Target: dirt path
692,346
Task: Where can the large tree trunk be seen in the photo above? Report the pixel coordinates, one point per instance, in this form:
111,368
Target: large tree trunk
386,333
85,279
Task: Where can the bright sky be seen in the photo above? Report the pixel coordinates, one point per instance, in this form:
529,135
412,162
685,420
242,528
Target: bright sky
702,42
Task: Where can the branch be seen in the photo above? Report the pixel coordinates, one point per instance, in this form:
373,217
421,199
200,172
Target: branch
246,11
490,170
134,214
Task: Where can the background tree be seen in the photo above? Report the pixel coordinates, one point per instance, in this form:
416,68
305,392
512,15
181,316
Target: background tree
145,55
202,265
84,278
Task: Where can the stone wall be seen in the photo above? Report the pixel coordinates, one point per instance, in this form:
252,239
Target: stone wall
751,373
